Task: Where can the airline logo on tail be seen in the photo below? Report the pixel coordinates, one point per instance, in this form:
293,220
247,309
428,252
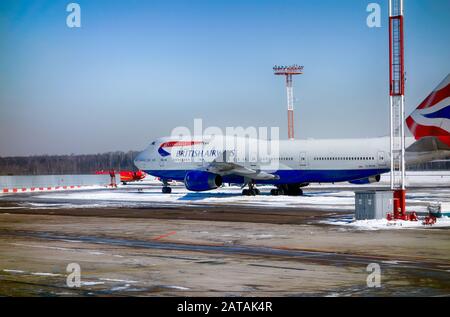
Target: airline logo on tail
432,117
165,148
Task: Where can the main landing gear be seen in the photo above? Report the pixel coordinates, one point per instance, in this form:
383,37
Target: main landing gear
281,190
287,190
251,191
166,189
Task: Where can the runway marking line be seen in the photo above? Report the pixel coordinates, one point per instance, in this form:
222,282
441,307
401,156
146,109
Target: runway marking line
164,235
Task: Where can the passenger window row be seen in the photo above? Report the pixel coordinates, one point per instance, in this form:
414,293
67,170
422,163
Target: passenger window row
357,158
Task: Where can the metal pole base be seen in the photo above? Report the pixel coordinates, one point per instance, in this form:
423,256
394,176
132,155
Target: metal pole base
400,204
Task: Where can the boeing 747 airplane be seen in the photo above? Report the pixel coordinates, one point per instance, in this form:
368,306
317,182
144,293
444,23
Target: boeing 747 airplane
205,163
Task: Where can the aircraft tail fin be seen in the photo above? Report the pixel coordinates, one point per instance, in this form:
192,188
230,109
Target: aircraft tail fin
432,116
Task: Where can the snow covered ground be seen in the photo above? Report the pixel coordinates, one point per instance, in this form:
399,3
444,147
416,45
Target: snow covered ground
434,187
443,222
230,196
425,188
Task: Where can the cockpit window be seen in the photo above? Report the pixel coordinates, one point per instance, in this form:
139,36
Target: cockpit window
153,143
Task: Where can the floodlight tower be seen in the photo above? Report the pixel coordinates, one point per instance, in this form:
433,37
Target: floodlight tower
397,106
289,71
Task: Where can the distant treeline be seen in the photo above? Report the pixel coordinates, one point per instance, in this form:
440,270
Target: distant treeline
88,164
67,164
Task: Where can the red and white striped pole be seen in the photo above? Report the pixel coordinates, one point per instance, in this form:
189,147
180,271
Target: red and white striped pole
397,106
289,72
290,103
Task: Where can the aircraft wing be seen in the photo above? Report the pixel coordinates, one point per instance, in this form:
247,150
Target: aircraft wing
230,168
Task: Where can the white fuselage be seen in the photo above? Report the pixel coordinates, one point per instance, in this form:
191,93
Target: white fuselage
293,161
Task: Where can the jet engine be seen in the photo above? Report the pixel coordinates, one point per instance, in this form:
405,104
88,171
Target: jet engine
368,180
199,181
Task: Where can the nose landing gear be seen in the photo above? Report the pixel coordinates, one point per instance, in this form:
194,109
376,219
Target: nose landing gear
251,191
166,189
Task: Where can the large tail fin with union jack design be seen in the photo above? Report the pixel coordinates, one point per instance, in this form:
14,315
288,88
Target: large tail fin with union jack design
432,116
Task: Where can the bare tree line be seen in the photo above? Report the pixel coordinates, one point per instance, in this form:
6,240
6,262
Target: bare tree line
67,164
89,163
442,165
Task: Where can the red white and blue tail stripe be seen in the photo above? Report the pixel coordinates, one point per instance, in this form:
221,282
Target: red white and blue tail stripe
432,117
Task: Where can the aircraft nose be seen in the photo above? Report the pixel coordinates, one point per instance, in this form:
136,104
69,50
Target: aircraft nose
139,159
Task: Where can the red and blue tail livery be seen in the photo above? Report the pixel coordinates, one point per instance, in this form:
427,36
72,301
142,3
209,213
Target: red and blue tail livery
432,117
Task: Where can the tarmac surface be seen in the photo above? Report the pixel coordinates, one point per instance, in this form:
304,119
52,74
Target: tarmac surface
204,247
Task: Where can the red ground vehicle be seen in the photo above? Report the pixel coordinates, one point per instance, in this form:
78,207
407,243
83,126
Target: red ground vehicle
130,176
127,176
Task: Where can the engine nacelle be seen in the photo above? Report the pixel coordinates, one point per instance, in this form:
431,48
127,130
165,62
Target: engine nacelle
368,180
199,181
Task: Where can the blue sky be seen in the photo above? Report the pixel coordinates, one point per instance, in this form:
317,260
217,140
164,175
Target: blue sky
137,69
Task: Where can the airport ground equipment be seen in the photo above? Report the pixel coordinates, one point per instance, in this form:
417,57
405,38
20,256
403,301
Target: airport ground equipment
429,220
373,204
125,175
439,209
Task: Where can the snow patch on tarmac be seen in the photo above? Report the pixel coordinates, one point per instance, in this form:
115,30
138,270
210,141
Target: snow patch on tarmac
62,205
45,274
120,288
180,288
329,200
30,273
384,224
118,280
13,271
91,283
